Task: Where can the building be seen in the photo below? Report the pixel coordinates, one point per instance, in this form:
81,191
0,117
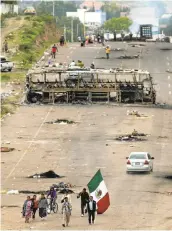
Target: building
90,19
165,24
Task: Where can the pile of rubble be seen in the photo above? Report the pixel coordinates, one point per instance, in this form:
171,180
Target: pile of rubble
61,121
49,174
129,57
134,136
135,113
7,149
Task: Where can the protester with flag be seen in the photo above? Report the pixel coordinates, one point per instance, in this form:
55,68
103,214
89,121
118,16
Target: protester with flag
98,190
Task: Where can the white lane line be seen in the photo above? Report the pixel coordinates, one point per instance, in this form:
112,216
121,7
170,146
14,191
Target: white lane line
169,85
169,92
168,77
26,151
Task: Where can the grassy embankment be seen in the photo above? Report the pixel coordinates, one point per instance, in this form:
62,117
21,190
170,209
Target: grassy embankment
28,44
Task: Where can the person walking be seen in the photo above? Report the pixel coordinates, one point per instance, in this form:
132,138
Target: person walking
43,205
54,50
27,209
107,52
62,40
66,211
35,206
66,195
53,197
91,209
84,199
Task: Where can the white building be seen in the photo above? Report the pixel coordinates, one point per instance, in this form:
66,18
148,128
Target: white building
89,18
6,8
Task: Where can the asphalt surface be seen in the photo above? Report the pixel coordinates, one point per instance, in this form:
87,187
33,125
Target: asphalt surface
138,201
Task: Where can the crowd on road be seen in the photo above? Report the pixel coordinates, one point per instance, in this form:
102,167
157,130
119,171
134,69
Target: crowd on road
48,203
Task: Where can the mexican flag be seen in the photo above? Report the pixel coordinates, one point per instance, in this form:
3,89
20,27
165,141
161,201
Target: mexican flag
98,190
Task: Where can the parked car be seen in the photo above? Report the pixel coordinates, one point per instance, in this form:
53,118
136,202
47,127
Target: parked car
5,65
139,162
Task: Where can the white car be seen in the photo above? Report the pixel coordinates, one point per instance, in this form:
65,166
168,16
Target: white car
5,65
139,162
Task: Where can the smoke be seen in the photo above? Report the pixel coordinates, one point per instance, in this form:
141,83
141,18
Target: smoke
142,15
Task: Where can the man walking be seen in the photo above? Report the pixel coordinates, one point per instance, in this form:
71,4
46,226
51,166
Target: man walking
54,50
107,52
84,199
91,208
53,196
66,211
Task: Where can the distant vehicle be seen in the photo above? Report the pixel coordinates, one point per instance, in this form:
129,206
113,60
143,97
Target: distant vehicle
5,65
146,31
30,11
139,162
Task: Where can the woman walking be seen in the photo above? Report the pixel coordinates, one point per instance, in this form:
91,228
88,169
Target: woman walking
35,206
66,211
27,209
43,205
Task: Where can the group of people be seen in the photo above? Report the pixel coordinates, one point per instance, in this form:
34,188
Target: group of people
78,64
31,205
54,48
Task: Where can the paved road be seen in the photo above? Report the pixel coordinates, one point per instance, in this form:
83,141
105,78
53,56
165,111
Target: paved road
138,201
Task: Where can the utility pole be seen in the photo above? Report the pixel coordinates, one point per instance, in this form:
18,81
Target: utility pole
65,32
53,8
72,30
77,30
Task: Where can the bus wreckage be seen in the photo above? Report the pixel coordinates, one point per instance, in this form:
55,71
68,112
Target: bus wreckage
89,85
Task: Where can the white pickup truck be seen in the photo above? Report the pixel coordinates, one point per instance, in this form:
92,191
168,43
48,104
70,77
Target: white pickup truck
5,65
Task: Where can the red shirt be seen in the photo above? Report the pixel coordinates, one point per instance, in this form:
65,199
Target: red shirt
54,49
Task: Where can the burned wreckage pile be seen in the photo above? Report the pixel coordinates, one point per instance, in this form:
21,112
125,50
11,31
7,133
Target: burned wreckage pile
53,85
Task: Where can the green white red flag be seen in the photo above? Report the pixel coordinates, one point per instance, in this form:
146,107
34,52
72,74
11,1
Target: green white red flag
98,190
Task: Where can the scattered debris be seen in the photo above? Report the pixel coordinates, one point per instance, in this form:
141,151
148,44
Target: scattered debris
63,185
32,192
128,57
9,206
131,137
64,191
101,58
49,174
13,192
162,137
139,44
61,121
7,149
135,113
118,49
166,49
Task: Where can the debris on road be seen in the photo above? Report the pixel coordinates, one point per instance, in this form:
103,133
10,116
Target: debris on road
7,149
63,185
61,121
49,174
135,113
13,192
162,137
134,136
118,49
128,57
64,191
166,49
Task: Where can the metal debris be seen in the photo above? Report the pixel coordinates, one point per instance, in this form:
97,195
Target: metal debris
129,57
49,174
7,149
134,136
61,121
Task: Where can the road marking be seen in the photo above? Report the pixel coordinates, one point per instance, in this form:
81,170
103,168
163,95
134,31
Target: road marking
168,64
168,77
169,92
71,52
26,151
169,85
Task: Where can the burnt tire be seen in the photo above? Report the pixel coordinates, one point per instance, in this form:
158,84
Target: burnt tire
34,98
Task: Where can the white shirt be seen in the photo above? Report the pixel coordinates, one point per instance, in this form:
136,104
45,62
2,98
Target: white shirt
91,205
69,198
72,64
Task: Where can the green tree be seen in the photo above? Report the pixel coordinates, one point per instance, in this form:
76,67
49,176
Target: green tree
60,8
118,24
